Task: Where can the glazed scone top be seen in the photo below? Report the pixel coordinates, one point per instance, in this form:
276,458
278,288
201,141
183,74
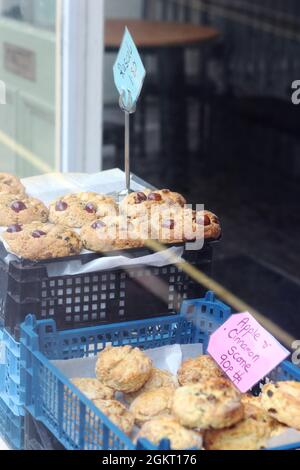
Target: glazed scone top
75,210
93,389
167,427
213,403
198,369
11,184
20,209
137,203
38,241
123,368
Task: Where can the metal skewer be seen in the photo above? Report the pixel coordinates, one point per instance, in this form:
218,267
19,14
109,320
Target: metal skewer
129,108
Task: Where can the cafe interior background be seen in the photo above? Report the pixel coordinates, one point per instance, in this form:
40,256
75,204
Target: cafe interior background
216,120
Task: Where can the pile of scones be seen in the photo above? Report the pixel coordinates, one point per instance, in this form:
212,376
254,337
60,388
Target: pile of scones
96,222
197,409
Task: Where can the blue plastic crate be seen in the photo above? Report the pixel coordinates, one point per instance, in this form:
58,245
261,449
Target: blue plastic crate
11,391
51,398
11,427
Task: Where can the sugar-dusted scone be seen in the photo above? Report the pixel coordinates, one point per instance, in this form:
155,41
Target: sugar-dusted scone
214,403
167,427
153,403
198,369
252,433
117,413
123,368
20,209
111,233
75,210
282,401
11,184
93,389
37,241
138,203
158,378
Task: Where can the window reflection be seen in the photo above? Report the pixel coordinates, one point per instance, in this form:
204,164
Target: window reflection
39,13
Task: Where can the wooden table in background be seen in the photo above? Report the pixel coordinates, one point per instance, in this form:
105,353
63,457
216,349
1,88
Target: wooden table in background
169,41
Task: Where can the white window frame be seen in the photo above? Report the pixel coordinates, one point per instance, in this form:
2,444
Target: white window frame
80,92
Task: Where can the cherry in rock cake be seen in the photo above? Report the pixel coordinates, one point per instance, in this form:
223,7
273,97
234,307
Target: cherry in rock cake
141,202
10,184
176,225
111,233
18,209
37,241
75,210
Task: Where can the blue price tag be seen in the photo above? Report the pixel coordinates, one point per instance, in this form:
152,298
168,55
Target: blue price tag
129,71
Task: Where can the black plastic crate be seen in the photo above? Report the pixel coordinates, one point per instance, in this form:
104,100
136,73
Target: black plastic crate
38,437
89,299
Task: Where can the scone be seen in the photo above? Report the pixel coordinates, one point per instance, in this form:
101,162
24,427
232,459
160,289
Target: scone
75,210
152,404
173,225
18,209
198,369
117,413
252,433
11,184
111,233
138,203
282,401
249,401
123,368
167,427
38,241
158,378
93,389
214,403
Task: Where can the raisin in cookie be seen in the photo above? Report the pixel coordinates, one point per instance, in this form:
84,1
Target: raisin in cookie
75,210
11,184
138,203
214,403
282,402
158,378
17,209
252,433
93,389
117,413
123,368
153,403
167,427
111,233
38,241
198,369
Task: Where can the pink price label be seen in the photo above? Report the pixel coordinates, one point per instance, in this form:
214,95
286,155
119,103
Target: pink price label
245,350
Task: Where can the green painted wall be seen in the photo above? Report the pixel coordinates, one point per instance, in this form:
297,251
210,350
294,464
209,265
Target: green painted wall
29,115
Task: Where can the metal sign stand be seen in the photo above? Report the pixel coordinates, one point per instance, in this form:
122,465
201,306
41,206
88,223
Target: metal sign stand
128,108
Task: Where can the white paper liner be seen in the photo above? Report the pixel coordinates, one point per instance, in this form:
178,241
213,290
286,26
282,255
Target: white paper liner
53,185
167,358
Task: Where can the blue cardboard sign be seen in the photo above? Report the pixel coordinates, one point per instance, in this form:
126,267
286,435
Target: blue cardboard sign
129,71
